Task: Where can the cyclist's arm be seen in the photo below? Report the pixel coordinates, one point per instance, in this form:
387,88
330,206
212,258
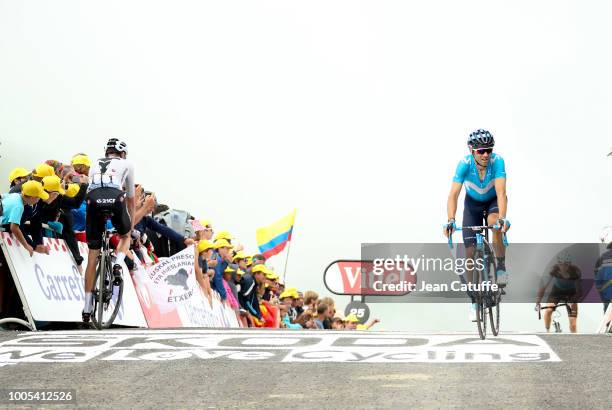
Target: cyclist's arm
15,230
502,199
542,289
453,197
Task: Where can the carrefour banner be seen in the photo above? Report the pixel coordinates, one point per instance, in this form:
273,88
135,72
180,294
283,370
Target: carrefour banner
170,295
53,287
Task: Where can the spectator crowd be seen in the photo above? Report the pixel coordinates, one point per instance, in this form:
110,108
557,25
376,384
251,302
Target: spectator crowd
50,201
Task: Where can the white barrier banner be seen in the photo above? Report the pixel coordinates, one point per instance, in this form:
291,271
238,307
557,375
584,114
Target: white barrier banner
53,286
606,322
170,295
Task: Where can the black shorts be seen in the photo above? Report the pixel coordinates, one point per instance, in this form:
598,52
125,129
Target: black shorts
474,213
102,200
557,296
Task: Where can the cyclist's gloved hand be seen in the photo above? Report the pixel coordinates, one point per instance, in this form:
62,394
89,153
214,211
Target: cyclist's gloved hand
450,227
503,224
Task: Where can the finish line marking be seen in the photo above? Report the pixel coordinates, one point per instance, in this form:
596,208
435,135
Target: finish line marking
288,347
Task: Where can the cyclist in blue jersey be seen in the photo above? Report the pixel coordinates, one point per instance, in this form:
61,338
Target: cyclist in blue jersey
484,175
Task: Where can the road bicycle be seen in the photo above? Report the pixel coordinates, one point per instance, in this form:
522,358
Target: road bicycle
106,304
487,298
556,315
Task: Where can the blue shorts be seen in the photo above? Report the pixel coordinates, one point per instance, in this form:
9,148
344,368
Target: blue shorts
474,214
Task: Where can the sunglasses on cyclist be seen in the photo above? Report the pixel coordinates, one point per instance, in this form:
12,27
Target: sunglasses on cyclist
482,151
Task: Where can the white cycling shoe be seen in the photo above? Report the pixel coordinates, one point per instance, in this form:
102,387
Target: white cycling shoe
502,278
473,307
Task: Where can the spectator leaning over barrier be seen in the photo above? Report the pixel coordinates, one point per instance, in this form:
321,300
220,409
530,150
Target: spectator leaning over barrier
270,285
247,297
240,259
81,164
49,210
337,324
205,252
13,207
287,298
322,309
72,199
350,322
41,171
299,303
332,311
203,229
310,301
257,259
32,218
18,176
228,273
286,320
306,320
223,258
147,222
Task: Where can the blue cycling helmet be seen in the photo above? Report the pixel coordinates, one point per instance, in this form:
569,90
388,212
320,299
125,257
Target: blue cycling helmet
481,139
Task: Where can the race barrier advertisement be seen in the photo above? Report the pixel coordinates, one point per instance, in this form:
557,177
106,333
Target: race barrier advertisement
51,289
51,286
170,295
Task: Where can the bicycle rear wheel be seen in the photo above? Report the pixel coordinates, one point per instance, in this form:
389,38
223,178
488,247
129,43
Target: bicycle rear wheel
106,305
100,291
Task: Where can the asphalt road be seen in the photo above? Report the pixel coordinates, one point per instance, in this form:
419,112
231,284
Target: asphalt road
273,369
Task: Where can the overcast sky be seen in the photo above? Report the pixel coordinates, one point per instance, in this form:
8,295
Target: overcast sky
355,113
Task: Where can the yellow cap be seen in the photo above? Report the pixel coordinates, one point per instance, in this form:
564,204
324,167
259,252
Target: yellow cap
351,318
222,243
53,184
43,170
286,294
18,173
240,272
205,223
249,260
259,268
223,235
81,160
240,255
205,245
72,190
270,274
229,269
34,189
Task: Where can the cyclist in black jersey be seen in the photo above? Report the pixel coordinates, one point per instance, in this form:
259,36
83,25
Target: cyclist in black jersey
111,190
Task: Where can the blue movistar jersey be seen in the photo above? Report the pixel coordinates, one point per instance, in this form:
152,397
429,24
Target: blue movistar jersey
477,189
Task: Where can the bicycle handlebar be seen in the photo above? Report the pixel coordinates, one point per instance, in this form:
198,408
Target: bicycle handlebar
539,308
493,227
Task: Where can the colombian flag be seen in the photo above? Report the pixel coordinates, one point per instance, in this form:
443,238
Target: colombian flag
272,239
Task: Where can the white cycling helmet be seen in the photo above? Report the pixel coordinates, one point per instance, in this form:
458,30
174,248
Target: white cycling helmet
564,257
117,144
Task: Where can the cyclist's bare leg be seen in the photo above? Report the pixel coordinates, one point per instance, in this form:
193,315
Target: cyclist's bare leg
498,246
90,271
123,247
548,316
573,321
573,324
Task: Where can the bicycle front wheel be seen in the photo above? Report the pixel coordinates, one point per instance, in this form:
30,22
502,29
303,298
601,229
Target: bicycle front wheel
481,309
